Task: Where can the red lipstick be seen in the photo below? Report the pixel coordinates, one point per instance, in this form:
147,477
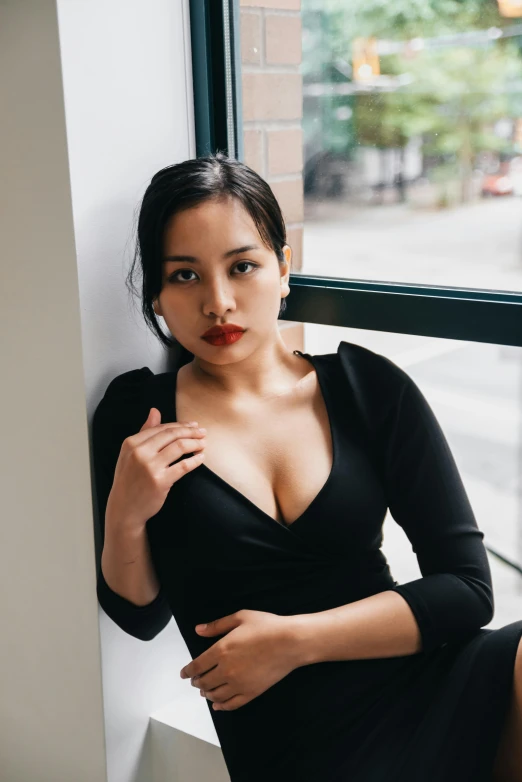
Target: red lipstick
226,334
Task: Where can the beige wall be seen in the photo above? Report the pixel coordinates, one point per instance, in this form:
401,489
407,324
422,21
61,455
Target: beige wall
51,710
272,113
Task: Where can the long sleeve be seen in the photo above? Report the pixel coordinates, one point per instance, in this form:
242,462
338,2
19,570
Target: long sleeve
117,417
426,497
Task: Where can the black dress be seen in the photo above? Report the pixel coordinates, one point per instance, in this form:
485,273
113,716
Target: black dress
434,716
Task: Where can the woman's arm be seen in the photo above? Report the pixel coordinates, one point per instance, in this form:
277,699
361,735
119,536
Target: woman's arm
381,625
130,595
426,497
126,563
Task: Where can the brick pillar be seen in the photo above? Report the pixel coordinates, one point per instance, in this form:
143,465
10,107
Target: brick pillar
272,113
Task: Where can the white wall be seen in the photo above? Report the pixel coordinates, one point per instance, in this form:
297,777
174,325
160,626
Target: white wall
67,328
128,100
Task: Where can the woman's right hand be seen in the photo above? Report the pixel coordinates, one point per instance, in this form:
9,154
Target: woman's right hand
145,471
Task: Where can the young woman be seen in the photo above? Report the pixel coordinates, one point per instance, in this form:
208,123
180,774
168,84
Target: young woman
266,523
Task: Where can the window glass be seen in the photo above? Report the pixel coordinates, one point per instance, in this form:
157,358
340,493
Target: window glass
391,133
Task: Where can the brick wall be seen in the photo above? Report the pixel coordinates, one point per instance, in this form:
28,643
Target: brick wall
272,112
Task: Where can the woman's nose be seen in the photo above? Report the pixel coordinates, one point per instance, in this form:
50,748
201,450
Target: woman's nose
218,299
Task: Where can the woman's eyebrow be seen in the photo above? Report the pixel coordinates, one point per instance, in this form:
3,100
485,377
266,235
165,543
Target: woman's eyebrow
192,259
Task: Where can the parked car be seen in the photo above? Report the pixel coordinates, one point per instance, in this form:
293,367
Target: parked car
498,184
506,181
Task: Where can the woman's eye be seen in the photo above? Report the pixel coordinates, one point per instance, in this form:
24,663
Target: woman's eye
247,263
174,277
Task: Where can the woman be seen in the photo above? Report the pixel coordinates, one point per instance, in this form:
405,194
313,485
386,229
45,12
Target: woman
267,523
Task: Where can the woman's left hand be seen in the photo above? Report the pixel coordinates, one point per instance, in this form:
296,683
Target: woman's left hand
259,650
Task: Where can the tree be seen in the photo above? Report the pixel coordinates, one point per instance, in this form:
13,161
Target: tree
451,96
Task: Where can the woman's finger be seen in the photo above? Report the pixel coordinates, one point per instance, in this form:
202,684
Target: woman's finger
219,694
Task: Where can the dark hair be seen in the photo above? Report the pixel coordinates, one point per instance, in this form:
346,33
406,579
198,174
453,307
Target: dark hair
180,187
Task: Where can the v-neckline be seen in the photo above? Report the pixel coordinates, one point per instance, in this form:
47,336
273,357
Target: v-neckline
243,497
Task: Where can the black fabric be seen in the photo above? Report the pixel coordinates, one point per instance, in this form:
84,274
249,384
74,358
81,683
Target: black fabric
432,716
122,412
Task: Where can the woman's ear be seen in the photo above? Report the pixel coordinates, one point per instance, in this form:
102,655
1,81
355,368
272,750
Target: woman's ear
285,276
157,307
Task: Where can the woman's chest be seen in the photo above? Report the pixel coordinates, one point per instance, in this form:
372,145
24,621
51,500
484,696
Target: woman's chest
278,455
274,490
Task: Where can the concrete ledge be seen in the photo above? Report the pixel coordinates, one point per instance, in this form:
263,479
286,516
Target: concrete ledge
184,743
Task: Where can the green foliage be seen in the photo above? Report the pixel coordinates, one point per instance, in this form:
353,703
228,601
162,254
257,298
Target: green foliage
453,96
402,19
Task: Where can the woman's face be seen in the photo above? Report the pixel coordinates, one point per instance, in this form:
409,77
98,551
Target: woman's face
217,270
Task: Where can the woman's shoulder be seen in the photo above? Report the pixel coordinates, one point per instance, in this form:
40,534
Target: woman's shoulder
369,365
124,403
365,367
128,384
374,382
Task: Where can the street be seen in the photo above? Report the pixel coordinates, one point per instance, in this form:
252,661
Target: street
477,245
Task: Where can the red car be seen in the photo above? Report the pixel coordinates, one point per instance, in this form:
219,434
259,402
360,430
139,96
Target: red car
500,183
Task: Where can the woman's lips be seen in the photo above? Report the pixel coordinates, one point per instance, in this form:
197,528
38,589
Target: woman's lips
226,338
